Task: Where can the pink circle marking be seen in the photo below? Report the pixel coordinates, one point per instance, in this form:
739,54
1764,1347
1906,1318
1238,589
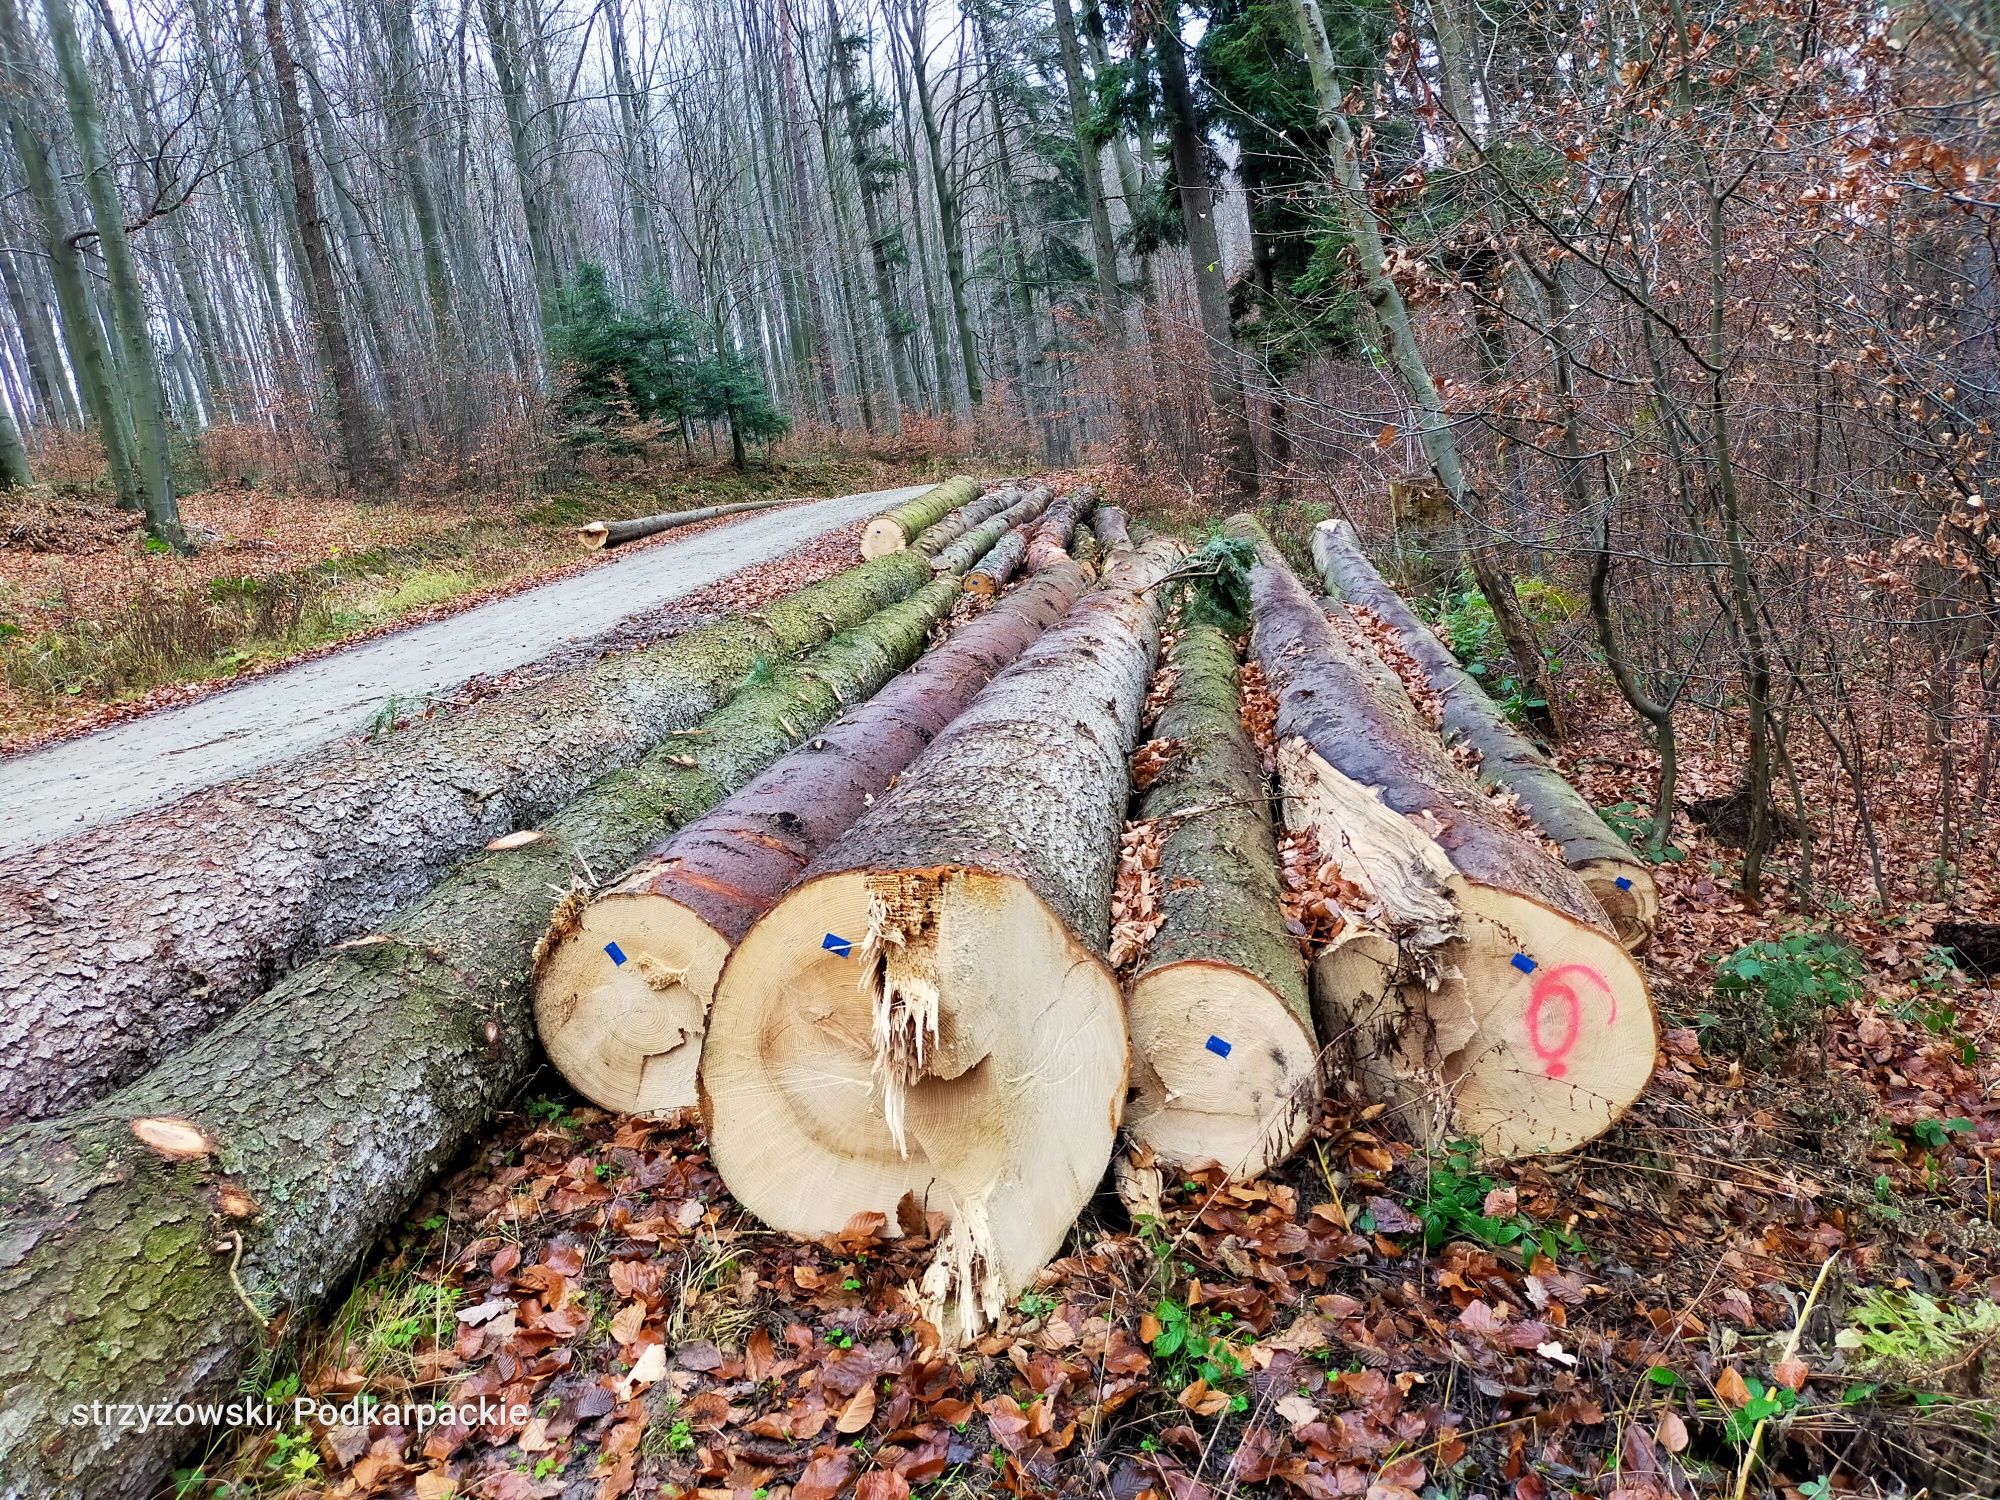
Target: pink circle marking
1559,986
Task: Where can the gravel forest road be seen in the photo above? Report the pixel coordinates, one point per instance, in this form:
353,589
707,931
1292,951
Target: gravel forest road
95,778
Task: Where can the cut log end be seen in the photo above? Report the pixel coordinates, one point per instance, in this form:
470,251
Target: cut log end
621,1002
1000,1034
1628,895
595,535
1242,1100
882,536
1537,1039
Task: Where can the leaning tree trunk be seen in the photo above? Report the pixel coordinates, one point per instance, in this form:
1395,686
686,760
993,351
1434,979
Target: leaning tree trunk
1225,1062
976,543
274,1151
601,534
926,1016
895,529
1616,876
1050,540
621,1000
1483,992
127,942
934,539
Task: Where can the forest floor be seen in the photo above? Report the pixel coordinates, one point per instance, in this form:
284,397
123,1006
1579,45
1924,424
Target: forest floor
95,627
1634,1320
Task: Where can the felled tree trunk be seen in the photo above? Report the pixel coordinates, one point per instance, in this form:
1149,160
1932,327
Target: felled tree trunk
125,943
1108,522
926,1015
895,529
290,1137
999,565
934,539
1050,540
1508,759
1489,997
600,534
1225,1064
622,997
976,543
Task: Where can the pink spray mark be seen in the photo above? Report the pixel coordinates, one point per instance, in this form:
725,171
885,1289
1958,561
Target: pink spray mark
1558,987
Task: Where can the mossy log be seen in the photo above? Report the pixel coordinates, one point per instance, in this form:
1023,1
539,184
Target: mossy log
292,1135
127,942
1508,759
1484,994
598,535
1225,1065
1050,539
895,529
927,1016
999,565
622,998
934,539
976,543
1108,522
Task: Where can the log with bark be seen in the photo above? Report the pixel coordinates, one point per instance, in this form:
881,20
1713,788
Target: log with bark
1508,759
976,543
934,539
600,534
925,1022
154,1245
1225,1065
999,565
1108,522
621,999
1480,989
895,529
126,942
1050,539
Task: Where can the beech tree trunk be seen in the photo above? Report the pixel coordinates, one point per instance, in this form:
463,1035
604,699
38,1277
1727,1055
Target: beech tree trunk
999,565
1483,993
1050,540
601,534
925,1020
321,1111
1616,876
128,941
1225,1062
895,529
622,999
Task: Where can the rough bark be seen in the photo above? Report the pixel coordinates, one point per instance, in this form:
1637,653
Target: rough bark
894,530
1225,1062
627,1031
999,565
926,1015
934,539
1050,540
976,543
1482,991
601,534
1108,522
112,1285
1508,759
128,941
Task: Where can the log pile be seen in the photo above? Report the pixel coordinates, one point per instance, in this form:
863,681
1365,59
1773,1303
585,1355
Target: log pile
1480,989
155,1242
598,535
622,996
896,529
934,539
1051,539
127,942
925,1022
981,539
1508,759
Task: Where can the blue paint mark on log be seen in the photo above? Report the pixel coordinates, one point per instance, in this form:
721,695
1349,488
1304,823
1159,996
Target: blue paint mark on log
1218,1046
617,953
1624,882
838,946
1524,963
